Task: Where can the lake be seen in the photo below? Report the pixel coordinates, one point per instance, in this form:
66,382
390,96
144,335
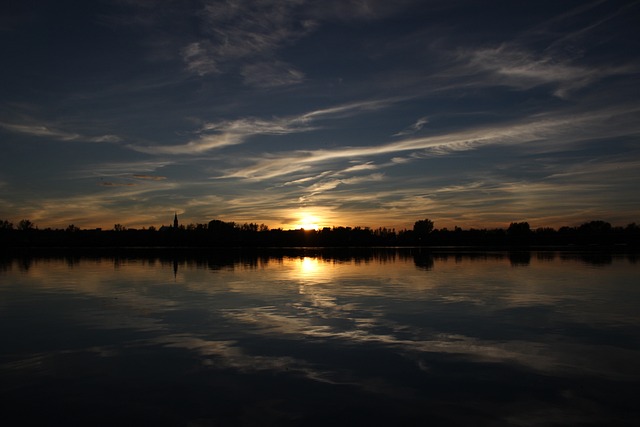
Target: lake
320,337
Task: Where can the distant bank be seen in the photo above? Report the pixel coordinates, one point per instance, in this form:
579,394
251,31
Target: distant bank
228,234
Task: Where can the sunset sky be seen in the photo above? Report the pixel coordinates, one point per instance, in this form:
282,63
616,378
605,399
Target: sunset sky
320,112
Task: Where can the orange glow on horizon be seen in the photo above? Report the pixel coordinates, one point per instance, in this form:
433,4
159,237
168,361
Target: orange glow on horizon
308,222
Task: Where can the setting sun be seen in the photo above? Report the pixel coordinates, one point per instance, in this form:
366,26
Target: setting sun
308,222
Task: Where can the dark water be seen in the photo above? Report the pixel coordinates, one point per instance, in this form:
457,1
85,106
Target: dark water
319,338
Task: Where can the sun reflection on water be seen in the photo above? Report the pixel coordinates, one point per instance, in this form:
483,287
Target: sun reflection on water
309,266
310,270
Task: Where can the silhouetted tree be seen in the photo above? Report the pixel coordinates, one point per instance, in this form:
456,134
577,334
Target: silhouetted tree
25,225
595,232
595,227
251,227
519,233
222,233
226,234
422,228
519,229
216,225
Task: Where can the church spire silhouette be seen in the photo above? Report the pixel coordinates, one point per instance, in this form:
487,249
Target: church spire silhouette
175,221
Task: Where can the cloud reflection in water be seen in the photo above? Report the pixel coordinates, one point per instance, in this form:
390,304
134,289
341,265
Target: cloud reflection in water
552,335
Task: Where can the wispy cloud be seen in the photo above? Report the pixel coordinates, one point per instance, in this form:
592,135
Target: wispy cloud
416,127
116,184
307,179
226,133
251,33
246,28
523,69
197,146
330,184
126,167
271,74
357,10
241,30
46,131
136,205
551,131
40,130
350,109
361,167
105,138
215,135
122,169
198,56
574,42
149,177
316,184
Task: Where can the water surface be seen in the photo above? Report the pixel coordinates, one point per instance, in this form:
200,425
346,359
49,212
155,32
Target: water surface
307,337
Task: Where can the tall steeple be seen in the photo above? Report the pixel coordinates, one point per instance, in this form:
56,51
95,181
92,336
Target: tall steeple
175,220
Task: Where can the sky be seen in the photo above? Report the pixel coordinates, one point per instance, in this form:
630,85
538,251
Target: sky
309,113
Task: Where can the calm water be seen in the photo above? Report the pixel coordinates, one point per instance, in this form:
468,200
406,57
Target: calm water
321,338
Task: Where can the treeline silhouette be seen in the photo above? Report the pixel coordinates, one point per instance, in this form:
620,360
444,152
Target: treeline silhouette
217,233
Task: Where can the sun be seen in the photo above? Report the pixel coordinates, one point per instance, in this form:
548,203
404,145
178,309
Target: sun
308,222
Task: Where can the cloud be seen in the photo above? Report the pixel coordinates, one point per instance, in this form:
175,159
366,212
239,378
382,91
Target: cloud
523,69
548,132
400,160
199,58
129,203
298,160
350,109
246,27
249,33
571,38
330,184
307,179
40,130
215,135
47,131
121,169
149,177
255,126
357,10
197,146
117,184
106,138
271,74
416,127
361,167
246,31
329,180
226,133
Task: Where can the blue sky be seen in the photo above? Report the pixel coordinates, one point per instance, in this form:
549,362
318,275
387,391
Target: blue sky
325,113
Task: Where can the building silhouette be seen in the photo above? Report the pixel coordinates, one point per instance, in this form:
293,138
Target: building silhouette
175,226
